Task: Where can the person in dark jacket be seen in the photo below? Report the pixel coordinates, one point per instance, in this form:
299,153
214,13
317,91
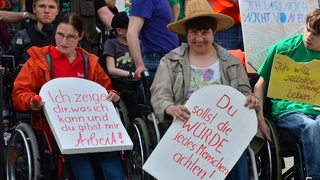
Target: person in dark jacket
36,32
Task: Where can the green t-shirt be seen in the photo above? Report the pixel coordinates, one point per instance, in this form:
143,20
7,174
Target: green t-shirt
173,2
294,48
181,3
181,14
127,9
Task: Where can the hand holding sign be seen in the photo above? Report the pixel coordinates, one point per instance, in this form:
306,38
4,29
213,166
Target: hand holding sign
36,99
209,144
81,118
36,103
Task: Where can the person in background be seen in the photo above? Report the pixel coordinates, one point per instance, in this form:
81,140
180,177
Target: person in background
118,58
67,61
178,9
148,27
36,32
111,3
9,17
94,13
120,66
232,37
301,118
112,6
127,6
198,63
175,6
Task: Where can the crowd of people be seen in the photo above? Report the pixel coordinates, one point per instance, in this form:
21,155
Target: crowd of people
184,49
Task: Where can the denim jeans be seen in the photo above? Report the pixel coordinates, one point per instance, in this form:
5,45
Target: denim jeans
109,161
307,129
151,62
240,170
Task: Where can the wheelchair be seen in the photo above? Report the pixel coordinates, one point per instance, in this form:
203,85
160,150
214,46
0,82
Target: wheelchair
29,154
285,145
145,133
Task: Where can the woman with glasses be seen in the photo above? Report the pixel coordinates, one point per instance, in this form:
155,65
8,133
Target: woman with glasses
67,60
36,32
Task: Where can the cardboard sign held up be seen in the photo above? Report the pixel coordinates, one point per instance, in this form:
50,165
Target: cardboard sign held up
209,144
295,81
81,118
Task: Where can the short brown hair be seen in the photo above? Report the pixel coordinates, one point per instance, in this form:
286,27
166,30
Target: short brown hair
34,2
313,20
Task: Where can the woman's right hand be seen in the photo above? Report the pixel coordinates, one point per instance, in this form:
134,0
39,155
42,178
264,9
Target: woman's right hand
178,112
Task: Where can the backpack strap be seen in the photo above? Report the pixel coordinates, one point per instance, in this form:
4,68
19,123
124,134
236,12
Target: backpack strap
85,61
49,61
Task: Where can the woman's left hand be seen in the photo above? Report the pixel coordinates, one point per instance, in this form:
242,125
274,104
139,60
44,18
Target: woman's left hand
253,102
113,97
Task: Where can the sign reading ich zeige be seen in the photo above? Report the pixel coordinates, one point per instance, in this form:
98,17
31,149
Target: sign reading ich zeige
81,119
295,81
209,144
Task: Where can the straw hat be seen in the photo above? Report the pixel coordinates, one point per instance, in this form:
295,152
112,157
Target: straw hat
200,8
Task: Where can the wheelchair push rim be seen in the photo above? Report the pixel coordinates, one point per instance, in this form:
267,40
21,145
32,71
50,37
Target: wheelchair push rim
23,157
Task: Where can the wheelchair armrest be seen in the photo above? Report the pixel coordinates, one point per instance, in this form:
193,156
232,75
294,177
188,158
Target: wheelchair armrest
24,116
144,108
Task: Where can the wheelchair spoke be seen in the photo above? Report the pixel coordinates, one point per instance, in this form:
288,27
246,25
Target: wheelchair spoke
140,152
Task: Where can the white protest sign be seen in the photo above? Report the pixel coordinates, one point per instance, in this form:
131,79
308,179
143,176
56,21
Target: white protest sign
209,144
81,118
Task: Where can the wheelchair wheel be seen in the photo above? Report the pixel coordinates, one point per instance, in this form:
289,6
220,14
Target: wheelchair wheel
23,160
139,135
269,161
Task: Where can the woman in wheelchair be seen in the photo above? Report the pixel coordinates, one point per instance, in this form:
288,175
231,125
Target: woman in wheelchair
300,118
65,59
196,64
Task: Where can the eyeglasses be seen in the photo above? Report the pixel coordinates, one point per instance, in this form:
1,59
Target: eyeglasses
69,38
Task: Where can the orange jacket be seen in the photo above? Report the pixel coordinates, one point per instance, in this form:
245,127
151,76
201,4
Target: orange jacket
36,72
242,58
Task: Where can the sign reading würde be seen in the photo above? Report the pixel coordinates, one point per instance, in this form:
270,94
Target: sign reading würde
81,118
209,144
295,81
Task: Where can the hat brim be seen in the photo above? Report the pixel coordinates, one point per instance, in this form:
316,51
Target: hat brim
223,22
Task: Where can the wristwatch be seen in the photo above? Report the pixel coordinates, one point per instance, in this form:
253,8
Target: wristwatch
24,15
